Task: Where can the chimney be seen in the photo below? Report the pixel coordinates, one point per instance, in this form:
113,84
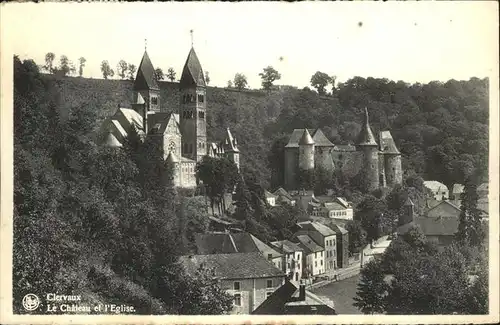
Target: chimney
302,291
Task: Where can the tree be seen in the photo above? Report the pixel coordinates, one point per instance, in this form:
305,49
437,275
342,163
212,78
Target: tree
207,77
320,80
240,81
64,65
106,70
121,69
470,226
49,62
131,71
372,290
159,74
357,236
369,213
82,62
171,74
268,76
229,84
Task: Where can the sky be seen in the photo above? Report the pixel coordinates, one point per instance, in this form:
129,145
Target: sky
409,41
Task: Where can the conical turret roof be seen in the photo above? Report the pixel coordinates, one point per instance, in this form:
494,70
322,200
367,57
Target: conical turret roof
145,78
172,158
306,138
192,74
365,137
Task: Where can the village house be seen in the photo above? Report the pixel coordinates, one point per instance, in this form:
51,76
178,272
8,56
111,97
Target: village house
292,300
292,265
248,277
439,190
230,243
313,257
456,191
270,198
342,245
323,236
331,207
283,197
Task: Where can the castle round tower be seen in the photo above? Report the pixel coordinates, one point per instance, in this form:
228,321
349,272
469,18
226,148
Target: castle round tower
392,159
367,144
306,151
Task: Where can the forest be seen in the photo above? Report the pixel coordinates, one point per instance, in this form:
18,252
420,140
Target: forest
109,224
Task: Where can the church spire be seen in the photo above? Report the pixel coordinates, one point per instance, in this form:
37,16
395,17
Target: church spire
145,78
192,74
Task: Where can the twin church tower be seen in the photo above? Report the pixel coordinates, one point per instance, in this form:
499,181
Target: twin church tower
179,137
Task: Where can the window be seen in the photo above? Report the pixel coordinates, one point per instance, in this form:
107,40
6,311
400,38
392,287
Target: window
201,114
269,283
288,265
321,253
201,98
236,285
296,276
154,100
321,262
269,256
268,294
237,299
315,263
315,254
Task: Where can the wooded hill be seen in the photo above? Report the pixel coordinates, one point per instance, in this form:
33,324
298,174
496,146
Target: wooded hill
440,128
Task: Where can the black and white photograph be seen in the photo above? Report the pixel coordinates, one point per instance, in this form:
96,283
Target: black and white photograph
281,160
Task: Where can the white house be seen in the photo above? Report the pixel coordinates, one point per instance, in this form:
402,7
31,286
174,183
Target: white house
313,258
292,263
439,190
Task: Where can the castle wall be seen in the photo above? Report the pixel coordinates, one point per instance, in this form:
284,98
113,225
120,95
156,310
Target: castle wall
306,157
370,168
291,164
382,177
394,171
323,157
350,162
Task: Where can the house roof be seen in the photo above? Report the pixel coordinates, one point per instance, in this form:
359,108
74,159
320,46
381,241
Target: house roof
133,118
483,187
192,74
222,243
232,266
275,303
286,246
435,186
320,139
458,188
230,143
450,203
387,144
145,78
269,195
308,244
365,137
344,147
334,206
161,122
311,299
343,201
438,226
322,229
339,229
306,138
283,193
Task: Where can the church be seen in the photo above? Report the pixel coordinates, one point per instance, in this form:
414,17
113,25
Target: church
180,138
381,162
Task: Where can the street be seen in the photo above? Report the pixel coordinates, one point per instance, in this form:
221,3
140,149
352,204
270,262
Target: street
342,293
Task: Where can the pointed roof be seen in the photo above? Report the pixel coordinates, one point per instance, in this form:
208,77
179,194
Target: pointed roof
145,78
321,140
140,99
230,144
192,74
387,144
306,138
172,158
365,137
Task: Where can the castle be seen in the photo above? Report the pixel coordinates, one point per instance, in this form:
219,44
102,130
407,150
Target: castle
180,138
308,149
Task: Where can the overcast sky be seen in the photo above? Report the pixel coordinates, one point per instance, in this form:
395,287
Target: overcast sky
410,41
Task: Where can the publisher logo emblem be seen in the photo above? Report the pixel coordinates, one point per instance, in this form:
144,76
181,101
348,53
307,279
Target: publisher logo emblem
31,302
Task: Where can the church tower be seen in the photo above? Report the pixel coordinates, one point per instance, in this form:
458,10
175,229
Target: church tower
367,144
192,113
146,86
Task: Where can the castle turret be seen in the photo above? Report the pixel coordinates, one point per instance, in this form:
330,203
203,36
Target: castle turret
193,108
306,151
408,212
366,143
175,162
146,85
392,159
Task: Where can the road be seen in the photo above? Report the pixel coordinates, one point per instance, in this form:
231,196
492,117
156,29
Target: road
341,293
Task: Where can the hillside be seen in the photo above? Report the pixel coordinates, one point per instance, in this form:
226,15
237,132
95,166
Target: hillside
440,128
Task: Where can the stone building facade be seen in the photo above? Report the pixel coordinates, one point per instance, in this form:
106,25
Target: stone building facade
381,162
180,138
